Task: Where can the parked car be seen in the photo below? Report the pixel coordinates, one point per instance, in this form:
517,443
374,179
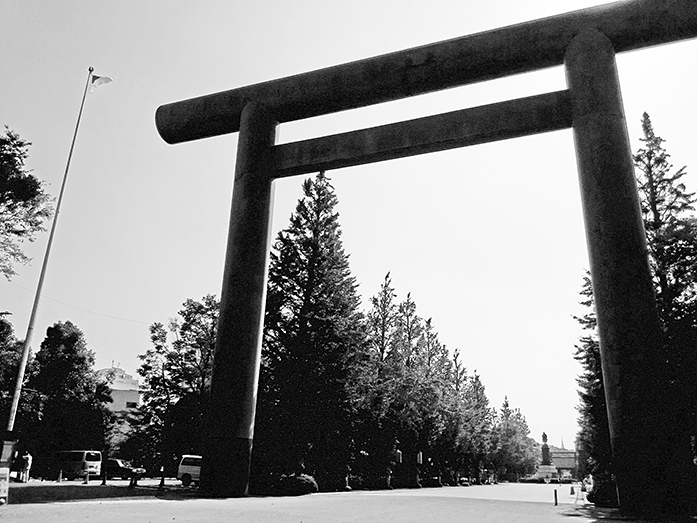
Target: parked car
189,469
120,468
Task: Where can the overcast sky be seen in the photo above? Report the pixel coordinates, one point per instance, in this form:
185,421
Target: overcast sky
489,239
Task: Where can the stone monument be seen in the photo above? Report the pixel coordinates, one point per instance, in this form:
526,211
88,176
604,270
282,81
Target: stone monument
545,470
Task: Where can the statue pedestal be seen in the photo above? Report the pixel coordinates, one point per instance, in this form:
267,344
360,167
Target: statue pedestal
546,472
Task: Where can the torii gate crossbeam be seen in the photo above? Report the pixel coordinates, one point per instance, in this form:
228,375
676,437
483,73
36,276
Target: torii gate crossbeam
651,476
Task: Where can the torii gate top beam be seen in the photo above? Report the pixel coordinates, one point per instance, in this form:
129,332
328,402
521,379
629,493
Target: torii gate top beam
483,56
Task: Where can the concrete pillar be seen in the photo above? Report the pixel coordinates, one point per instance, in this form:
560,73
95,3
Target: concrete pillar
628,324
230,422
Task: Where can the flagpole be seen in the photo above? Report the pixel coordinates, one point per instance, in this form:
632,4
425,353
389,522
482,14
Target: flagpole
32,318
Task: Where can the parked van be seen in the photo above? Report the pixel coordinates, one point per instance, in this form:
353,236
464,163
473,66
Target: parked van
79,463
189,470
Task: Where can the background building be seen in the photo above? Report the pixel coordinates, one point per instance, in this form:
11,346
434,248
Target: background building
124,389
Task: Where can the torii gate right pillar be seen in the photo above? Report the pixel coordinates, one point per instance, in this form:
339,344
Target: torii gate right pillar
628,324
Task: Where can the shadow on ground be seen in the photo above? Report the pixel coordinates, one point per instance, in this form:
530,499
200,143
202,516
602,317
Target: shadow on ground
50,493
601,514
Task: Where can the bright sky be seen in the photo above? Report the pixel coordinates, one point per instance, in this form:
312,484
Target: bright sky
488,239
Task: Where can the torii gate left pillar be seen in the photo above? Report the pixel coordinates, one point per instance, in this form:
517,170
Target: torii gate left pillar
230,423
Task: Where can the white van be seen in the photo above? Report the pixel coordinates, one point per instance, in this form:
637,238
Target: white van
189,470
79,463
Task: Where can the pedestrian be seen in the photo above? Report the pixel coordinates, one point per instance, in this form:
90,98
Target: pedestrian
26,467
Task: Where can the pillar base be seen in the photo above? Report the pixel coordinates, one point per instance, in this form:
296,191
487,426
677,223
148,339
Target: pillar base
226,474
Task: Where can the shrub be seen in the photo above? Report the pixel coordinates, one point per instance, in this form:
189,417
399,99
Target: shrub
296,485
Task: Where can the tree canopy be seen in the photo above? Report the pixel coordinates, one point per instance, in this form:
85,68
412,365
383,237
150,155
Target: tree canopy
73,398
175,372
24,206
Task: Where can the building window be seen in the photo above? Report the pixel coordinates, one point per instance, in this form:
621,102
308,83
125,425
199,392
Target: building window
131,405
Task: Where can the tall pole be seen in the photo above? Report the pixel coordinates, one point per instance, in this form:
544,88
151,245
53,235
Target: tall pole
37,296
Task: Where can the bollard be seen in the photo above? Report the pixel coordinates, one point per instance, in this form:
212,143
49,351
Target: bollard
60,476
556,502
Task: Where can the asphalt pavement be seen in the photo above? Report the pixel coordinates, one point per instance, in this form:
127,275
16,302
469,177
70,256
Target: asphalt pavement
115,502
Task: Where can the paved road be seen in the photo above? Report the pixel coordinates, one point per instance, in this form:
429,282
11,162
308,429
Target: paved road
502,503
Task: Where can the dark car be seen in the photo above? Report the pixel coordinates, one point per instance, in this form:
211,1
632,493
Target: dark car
120,468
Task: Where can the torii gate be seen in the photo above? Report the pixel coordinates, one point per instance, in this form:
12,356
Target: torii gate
585,42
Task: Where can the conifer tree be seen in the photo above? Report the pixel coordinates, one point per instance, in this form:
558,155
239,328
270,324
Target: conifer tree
671,233
312,329
671,230
593,438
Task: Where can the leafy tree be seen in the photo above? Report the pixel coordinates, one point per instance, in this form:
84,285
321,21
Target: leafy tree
10,352
463,445
312,329
477,423
371,390
73,398
515,453
24,206
417,408
176,374
10,355
406,388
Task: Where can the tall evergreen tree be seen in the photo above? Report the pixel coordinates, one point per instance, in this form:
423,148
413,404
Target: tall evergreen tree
671,232
671,229
313,327
593,438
